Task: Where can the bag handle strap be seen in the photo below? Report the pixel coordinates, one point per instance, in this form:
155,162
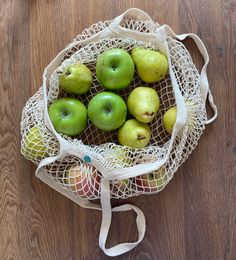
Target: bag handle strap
106,223
105,208
135,13
105,186
204,85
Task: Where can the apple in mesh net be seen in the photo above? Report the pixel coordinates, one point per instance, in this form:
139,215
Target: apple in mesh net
107,111
68,116
33,144
134,134
170,116
151,66
115,69
121,185
143,103
120,157
83,180
169,119
76,79
151,182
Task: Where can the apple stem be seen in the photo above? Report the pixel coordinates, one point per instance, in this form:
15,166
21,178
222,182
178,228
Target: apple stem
141,137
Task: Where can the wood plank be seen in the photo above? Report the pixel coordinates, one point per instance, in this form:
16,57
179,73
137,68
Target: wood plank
15,172
193,218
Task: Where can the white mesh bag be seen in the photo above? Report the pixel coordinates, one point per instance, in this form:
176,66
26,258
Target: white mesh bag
93,165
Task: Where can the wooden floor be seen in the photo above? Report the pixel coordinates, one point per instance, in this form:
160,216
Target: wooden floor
193,218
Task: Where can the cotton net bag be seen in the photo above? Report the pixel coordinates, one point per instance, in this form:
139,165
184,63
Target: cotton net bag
93,165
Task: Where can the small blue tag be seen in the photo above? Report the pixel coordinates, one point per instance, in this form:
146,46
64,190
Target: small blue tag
87,159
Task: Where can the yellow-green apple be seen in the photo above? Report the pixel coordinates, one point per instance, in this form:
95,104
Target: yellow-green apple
169,119
170,115
76,79
143,103
119,156
151,182
134,134
107,111
115,69
84,180
68,116
33,144
152,66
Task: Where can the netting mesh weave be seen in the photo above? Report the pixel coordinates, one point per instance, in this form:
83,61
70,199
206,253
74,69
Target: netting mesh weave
82,178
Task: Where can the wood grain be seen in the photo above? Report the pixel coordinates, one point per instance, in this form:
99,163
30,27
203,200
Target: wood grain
193,218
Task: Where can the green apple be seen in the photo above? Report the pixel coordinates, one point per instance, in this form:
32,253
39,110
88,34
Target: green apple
115,69
107,111
76,79
152,66
143,103
68,116
134,134
169,119
33,146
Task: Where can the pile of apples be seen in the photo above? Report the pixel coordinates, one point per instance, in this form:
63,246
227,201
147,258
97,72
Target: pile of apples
108,110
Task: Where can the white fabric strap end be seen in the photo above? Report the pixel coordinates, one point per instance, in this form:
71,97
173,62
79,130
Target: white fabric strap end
136,14
213,106
106,223
204,85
